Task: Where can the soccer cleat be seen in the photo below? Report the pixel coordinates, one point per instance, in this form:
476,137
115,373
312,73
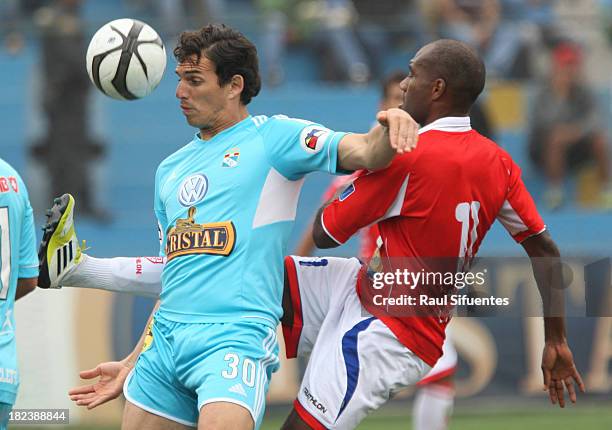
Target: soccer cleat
59,252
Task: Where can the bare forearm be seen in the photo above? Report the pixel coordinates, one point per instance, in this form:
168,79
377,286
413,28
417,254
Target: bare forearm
370,151
554,329
547,270
379,152
396,134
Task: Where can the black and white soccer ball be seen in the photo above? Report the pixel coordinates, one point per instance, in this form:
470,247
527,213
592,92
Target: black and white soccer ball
126,59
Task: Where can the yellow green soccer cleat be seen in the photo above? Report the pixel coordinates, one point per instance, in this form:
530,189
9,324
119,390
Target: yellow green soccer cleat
59,252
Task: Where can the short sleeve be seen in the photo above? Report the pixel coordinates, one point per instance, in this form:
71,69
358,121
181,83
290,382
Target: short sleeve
28,258
370,198
519,214
160,214
296,147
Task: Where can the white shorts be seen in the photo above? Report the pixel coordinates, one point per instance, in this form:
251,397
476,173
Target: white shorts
356,363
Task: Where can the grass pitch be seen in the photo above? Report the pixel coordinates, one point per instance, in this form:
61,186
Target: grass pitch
575,417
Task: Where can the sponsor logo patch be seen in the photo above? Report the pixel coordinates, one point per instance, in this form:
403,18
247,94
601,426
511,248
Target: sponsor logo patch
4,184
314,263
312,138
230,159
318,405
155,260
14,184
188,237
347,192
148,340
193,189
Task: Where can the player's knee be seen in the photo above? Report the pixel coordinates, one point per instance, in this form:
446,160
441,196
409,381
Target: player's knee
225,416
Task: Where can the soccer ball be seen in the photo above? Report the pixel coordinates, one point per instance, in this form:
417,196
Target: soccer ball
126,59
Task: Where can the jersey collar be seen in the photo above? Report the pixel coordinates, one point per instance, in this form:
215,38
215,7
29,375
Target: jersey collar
450,123
240,124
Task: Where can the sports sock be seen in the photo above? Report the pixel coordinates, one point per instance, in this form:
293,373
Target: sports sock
433,407
135,275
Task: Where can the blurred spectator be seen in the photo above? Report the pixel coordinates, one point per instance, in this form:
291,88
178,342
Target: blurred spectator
481,122
393,24
339,50
67,148
566,126
10,32
331,26
479,23
276,15
392,94
178,15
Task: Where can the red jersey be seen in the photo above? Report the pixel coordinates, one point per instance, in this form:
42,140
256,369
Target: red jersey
368,236
437,201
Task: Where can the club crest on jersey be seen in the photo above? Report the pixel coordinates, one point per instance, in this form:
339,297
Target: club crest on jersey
193,189
230,159
313,137
188,237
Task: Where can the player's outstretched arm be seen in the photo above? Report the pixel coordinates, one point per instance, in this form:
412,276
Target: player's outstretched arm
558,367
112,376
396,134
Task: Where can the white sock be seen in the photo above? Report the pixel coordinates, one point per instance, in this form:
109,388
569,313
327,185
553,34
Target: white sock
135,275
433,408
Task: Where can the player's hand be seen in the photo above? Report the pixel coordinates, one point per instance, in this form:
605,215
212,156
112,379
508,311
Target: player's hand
560,372
110,385
402,129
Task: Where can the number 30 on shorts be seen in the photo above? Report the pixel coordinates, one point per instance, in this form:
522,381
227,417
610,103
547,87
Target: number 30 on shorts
248,369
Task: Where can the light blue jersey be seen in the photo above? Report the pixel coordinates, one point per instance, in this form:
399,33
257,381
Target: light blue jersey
226,208
17,260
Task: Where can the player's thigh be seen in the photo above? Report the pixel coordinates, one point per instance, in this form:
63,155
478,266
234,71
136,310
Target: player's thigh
225,416
317,286
355,367
153,385
235,367
135,418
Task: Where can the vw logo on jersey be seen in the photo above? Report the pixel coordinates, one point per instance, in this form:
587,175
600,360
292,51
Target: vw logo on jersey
193,189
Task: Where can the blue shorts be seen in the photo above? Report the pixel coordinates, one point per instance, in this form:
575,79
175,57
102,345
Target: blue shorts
186,366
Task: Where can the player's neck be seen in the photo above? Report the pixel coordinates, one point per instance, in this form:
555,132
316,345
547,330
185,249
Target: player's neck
224,123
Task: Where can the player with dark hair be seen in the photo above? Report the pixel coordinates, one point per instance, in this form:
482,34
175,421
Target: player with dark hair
433,403
438,201
19,275
225,204
433,207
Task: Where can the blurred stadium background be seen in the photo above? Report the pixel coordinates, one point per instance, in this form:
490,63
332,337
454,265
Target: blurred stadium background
321,60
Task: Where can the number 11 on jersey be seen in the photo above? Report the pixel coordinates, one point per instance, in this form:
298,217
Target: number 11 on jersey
463,212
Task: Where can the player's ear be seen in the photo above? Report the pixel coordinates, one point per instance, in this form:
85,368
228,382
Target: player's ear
236,85
438,88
